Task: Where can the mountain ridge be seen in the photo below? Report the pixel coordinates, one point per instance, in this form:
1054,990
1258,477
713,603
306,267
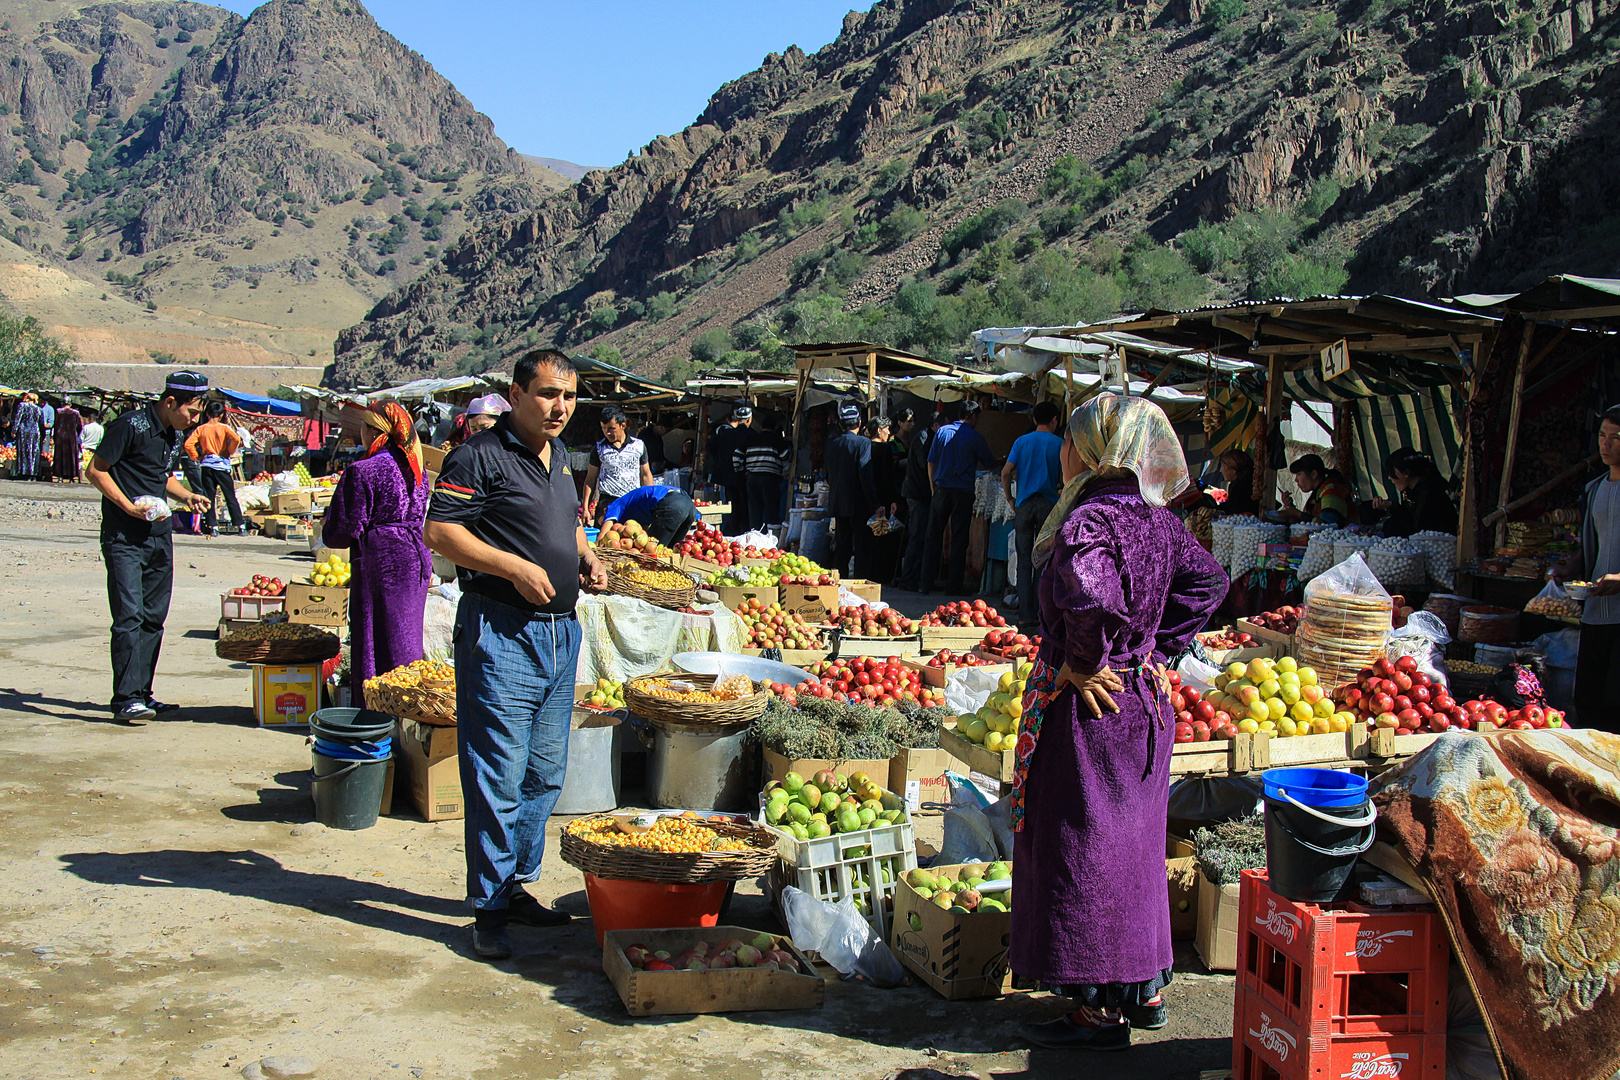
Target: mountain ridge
944,162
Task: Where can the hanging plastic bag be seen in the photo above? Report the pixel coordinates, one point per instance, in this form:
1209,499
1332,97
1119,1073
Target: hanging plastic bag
152,508
1197,672
1424,639
842,937
967,689
1554,603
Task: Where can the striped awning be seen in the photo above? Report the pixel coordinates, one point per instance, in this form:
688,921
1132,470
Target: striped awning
1413,406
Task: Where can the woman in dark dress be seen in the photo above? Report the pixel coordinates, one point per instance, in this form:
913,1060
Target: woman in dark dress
878,557
1123,587
66,450
1237,469
378,509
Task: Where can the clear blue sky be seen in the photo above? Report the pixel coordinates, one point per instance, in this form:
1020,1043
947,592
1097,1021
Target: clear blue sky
590,81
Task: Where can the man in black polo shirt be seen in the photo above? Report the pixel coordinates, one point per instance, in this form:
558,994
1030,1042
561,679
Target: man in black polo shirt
136,459
506,512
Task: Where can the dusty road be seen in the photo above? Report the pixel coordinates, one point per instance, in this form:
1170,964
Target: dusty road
168,910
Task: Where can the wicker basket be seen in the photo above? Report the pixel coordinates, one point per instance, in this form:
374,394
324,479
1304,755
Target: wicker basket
611,557
636,864
666,598
431,702
642,703
289,653
1467,685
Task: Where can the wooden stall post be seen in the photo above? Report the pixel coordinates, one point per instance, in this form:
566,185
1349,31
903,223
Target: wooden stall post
1274,396
798,416
1511,453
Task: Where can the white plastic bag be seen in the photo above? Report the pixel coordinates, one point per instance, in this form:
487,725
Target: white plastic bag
755,538
1553,602
967,689
152,507
1197,673
842,937
284,482
1424,639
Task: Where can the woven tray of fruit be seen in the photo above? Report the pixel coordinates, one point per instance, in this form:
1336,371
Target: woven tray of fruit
676,849
695,699
667,588
423,690
278,643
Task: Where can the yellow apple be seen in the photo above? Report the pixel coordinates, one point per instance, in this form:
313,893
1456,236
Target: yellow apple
1288,664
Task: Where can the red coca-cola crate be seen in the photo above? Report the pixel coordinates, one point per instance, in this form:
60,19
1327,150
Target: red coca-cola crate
1267,1046
1344,971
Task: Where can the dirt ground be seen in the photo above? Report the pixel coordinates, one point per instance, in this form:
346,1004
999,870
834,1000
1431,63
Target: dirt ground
171,912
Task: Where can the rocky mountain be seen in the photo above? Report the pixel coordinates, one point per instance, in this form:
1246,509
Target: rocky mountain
181,183
950,164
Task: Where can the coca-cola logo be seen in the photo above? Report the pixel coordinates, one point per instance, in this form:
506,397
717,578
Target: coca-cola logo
1279,924
1367,1067
1371,942
1277,1041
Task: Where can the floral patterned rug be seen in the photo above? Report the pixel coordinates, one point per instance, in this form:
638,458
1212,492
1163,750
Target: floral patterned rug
1517,836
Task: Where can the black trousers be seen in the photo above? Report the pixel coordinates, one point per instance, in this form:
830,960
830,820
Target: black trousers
216,483
673,518
1027,521
1597,677
916,540
140,578
764,499
737,522
953,507
844,526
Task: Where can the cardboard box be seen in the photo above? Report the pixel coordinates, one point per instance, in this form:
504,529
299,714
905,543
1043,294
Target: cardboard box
777,766
387,806
799,658
1217,935
814,602
733,595
955,638
866,590
939,676
317,605
1181,870
961,955
430,768
323,554
918,776
286,696
292,502
433,458
660,993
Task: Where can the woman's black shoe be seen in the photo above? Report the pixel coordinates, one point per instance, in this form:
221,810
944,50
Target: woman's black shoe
1147,1017
1065,1034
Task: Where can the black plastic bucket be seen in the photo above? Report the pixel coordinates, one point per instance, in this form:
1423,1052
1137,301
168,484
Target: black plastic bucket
351,725
1310,850
348,794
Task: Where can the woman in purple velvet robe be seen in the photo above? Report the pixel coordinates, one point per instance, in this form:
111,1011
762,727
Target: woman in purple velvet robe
378,509
1123,587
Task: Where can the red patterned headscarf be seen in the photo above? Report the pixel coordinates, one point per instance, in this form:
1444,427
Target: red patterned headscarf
390,418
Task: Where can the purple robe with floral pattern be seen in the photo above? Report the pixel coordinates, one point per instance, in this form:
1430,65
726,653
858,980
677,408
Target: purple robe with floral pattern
1127,586
378,510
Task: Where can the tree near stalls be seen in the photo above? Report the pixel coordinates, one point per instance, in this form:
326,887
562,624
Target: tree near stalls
30,359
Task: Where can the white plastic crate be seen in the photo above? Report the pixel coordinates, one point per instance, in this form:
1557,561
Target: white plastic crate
232,606
864,865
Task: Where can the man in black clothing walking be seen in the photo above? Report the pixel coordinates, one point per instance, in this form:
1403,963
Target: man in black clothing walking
851,487
136,460
732,434
919,497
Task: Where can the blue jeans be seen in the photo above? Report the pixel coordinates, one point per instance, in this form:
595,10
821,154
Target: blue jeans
514,698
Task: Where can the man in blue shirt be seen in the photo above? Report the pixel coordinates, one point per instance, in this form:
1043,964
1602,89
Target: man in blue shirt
667,513
957,451
1036,464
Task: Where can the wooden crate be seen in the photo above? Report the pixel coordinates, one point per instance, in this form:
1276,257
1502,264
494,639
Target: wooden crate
850,647
956,638
938,676
1218,757
997,766
664,993
794,657
1260,633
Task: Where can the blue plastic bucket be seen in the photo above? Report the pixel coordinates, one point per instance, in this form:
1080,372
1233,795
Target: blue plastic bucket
1315,787
381,750
591,534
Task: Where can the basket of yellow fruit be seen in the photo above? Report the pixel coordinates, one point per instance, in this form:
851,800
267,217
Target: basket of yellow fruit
695,699
423,690
331,574
675,849
278,643
662,586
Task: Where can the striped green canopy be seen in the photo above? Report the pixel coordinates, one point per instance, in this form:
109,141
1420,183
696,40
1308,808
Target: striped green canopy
1415,406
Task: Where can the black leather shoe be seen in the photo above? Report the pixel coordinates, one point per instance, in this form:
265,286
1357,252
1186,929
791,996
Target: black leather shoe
1065,1034
1147,1017
527,910
492,942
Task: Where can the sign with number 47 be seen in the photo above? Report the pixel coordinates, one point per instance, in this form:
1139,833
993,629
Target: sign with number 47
1335,359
